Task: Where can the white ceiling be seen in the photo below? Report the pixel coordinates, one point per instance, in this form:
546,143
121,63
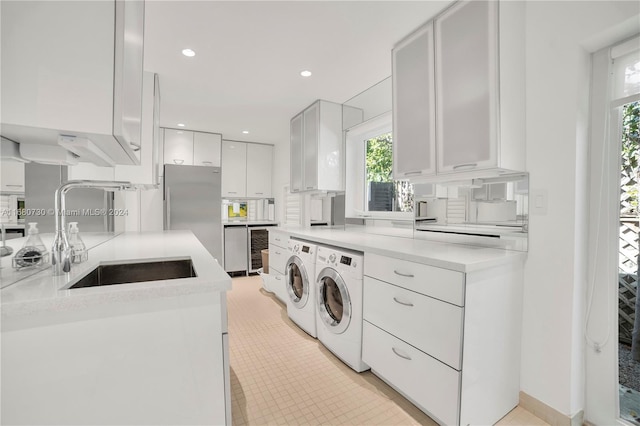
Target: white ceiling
249,54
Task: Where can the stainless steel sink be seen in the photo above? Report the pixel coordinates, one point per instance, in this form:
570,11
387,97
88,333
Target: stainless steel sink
124,273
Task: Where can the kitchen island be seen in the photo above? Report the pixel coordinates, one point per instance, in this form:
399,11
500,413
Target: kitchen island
152,352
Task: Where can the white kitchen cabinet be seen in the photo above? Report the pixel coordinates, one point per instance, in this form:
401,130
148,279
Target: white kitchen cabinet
480,87
259,170
317,155
278,257
74,69
178,147
467,86
449,341
12,175
192,148
234,169
414,141
206,149
246,169
147,172
469,64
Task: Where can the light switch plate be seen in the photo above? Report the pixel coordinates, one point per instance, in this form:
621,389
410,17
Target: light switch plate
538,202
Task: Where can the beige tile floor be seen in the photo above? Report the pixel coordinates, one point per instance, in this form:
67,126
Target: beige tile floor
280,375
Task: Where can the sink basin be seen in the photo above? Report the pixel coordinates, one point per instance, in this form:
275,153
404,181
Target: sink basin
124,273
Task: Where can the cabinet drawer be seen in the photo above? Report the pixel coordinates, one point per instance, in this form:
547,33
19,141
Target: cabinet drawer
278,257
431,385
433,326
278,238
440,283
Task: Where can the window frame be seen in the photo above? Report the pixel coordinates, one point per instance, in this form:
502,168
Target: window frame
355,173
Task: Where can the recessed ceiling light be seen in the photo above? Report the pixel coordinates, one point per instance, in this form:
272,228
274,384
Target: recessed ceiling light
180,124
188,52
305,73
246,132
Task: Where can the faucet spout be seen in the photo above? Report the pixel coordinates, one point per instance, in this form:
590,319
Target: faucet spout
61,250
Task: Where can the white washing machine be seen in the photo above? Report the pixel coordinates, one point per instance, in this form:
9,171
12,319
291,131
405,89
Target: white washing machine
300,285
339,304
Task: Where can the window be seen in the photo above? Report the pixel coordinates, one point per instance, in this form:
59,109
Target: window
383,192
371,189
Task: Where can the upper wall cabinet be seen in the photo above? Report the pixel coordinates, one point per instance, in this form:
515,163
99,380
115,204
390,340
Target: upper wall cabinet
11,176
246,170
147,172
234,169
477,53
192,148
259,170
74,69
317,158
414,147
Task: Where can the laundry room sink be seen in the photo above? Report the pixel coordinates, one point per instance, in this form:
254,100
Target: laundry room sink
125,273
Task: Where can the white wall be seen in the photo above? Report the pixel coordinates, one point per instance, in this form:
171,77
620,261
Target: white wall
560,37
281,167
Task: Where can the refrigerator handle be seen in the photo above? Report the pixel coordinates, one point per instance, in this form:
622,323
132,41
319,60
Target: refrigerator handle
168,207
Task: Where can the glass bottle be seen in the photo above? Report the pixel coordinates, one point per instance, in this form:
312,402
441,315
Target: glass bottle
79,251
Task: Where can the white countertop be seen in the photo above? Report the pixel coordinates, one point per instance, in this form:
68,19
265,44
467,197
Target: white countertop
30,291
249,223
457,257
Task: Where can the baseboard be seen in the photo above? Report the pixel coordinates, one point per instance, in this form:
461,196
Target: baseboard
549,414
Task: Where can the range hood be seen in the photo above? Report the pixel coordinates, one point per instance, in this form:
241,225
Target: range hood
48,154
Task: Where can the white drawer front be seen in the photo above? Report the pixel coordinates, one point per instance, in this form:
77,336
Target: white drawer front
278,257
277,238
428,383
440,283
433,326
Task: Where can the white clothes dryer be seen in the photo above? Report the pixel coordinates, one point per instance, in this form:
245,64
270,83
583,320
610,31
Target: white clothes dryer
339,304
300,285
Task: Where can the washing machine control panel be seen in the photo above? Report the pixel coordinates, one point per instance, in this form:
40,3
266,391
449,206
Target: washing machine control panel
303,250
339,260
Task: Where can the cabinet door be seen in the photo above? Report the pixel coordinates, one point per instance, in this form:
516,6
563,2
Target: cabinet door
178,147
297,159
206,149
12,175
234,169
259,169
414,143
466,83
147,171
127,89
311,118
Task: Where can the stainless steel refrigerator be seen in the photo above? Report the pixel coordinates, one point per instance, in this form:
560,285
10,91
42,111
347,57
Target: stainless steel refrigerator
192,200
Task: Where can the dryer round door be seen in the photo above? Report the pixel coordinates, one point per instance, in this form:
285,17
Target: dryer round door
334,303
297,282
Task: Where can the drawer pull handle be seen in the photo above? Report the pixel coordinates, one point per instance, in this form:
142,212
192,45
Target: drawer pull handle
278,277
465,166
403,275
278,253
402,303
395,351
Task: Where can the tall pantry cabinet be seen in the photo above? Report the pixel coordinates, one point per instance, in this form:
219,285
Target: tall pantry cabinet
474,66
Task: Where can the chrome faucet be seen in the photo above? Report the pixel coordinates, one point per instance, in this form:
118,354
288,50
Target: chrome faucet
61,250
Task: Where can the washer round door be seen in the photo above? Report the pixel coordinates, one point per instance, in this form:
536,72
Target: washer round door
334,303
297,282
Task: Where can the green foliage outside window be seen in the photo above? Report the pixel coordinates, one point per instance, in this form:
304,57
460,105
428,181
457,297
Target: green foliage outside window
379,168
630,142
